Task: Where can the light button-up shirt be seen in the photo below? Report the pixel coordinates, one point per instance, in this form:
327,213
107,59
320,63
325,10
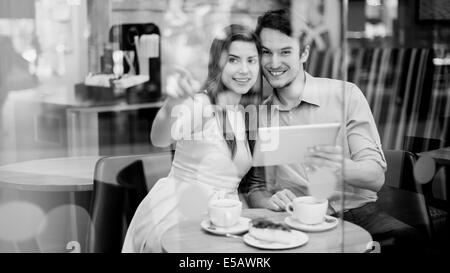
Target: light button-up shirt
325,101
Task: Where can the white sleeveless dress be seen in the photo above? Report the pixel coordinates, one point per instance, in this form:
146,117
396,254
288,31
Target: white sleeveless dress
202,170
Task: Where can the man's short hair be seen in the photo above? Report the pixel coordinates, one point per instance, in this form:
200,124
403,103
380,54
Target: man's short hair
275,19
279,20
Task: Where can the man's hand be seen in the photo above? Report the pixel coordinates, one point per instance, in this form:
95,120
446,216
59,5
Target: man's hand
325,156
279,200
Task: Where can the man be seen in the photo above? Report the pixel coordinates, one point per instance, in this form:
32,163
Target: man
302,99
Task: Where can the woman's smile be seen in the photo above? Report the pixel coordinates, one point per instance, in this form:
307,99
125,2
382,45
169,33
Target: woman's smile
242,80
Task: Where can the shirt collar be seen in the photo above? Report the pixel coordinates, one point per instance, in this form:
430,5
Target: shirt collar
309,95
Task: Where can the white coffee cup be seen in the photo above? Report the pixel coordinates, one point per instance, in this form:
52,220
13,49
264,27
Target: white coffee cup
308,209
225,212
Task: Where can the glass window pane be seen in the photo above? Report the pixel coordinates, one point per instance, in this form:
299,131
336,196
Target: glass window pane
144,100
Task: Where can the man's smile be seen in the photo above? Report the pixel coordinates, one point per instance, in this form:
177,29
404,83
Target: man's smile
276,72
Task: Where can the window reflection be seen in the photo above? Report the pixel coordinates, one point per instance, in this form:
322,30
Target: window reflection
54,54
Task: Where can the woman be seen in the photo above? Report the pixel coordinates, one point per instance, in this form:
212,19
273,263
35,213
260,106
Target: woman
212,152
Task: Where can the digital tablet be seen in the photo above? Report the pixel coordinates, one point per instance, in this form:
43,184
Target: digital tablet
289,144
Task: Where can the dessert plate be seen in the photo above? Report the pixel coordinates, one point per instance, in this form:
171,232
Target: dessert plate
241,227
300,239
329,223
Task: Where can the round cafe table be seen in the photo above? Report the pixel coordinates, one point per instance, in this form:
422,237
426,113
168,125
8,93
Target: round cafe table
50,174
189,237
44,204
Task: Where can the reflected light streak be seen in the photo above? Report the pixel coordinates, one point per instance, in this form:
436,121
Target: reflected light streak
374,3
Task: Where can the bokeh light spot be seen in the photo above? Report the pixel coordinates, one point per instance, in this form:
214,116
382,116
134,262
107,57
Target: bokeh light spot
19,221
424,169
322,183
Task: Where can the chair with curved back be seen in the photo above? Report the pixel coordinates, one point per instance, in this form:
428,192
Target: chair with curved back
433,176
400,196
120,184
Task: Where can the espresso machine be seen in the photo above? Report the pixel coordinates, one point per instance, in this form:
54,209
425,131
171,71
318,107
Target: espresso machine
141,47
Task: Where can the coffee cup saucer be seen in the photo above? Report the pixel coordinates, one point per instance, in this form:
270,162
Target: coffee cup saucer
241,227
329,223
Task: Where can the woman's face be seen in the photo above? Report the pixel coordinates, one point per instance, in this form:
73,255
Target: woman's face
241,68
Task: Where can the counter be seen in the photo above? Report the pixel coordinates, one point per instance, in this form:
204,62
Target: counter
49,121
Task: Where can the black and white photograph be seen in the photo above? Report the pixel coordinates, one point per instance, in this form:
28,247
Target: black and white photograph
236,128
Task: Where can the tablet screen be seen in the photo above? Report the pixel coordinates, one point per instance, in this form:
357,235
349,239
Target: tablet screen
289,144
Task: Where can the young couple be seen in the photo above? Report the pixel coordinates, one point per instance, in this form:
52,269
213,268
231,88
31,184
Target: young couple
217,161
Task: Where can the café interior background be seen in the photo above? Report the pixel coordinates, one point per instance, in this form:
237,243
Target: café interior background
396,51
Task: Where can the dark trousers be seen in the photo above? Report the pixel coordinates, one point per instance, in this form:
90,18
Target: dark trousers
392,234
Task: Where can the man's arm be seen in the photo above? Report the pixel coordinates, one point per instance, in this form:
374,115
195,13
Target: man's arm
366,166
258,195
362,173
366,174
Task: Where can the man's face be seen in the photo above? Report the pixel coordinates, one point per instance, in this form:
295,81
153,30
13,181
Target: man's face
281,61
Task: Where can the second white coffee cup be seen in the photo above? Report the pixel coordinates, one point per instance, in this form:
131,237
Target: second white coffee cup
308,209
225,212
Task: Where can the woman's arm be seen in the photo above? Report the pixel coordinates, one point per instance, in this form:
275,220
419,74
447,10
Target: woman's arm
178,119
181,89
160,134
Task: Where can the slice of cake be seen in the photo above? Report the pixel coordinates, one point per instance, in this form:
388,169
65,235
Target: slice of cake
269,231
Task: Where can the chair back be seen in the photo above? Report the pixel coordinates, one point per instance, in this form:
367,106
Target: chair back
120,184
400,170
401,196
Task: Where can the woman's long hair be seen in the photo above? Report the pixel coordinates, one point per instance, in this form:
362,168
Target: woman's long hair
213,85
